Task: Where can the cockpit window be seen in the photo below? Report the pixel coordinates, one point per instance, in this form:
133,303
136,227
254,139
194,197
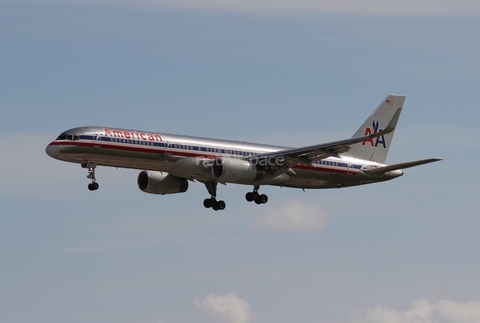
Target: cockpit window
67,136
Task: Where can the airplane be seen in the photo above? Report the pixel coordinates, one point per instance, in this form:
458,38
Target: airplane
168,161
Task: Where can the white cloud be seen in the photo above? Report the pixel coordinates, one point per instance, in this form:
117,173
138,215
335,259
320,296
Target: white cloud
225,309
292,217
425,7
422,311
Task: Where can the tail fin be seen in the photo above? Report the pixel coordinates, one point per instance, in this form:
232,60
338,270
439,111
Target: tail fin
376,149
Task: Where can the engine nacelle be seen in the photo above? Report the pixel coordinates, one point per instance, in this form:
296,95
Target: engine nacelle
161,183
234,170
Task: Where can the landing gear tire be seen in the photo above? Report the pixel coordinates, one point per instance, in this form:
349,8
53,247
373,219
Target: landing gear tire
221,205
256,197
93,186
214,204
264,198
210,202
261,199
207,203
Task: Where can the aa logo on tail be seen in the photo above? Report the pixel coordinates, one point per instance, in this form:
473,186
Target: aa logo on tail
380,140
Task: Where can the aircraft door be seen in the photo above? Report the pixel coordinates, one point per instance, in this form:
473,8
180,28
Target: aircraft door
168,146
349,168
97,140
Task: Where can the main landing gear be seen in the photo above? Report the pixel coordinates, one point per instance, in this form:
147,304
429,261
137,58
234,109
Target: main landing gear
220,205
212,201
93,186
257,197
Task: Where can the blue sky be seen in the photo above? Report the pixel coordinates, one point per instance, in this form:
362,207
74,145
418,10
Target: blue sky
258,71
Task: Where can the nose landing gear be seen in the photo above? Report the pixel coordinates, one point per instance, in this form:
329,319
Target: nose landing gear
93,186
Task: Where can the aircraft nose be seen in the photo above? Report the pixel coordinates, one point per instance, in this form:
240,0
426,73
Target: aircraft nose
52,150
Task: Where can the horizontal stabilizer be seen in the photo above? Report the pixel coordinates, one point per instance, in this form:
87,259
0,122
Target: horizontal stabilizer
401,166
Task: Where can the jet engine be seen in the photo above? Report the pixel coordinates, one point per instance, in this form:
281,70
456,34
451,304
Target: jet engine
236,170
161,183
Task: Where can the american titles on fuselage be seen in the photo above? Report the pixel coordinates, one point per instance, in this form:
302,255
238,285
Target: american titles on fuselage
123,134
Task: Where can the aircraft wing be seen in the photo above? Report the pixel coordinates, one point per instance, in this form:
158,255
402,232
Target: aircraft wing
309,154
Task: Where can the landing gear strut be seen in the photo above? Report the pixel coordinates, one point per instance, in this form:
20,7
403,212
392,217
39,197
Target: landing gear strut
255,196
212,201
93,186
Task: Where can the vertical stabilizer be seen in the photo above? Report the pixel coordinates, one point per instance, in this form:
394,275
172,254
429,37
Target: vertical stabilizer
376,149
